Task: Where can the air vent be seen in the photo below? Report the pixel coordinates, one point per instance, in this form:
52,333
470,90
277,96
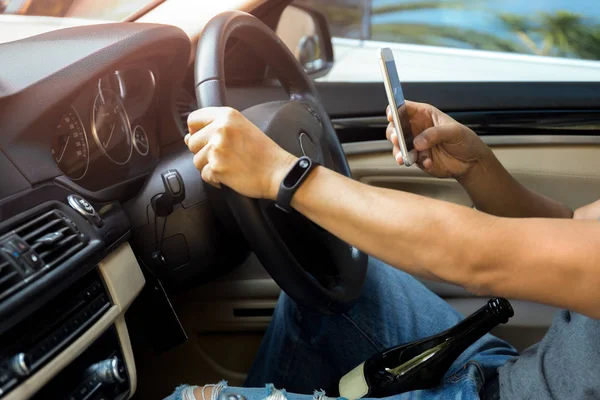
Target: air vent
186,104
32,249
53,236
10,277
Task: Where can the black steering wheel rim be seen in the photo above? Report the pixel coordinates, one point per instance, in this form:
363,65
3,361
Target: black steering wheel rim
338,291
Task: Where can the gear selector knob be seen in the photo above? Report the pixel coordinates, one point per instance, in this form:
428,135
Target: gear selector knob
109,371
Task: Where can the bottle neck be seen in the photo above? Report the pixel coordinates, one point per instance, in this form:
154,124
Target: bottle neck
479,323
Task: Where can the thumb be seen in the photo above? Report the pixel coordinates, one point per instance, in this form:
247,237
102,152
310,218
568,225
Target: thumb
437,135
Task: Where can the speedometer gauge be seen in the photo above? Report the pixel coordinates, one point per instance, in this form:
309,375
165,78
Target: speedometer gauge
70,148
110,127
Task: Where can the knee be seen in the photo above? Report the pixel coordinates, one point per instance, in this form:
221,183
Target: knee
203,392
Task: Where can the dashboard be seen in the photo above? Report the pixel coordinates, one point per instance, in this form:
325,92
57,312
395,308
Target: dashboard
109,131
98,196
89,125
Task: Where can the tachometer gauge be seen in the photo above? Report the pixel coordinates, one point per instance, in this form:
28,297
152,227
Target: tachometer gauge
70,148
140,140
110,127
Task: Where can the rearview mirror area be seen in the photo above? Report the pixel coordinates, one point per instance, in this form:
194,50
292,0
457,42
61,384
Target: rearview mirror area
306,33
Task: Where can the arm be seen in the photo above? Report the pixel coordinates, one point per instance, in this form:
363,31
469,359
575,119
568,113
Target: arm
449,149
548,261
494,191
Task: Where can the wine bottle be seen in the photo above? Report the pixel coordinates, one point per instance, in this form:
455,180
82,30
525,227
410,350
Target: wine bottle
422,364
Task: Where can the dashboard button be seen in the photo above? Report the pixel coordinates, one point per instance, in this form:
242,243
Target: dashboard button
18,365
19,244
109,371
33,260
81,205
83,391
11,253
85,209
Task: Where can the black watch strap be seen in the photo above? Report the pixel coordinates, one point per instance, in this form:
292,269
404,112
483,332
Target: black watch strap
292,181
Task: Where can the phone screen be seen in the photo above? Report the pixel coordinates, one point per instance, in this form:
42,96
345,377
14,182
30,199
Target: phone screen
399,98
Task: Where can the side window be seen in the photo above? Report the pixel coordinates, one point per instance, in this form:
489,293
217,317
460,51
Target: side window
560,31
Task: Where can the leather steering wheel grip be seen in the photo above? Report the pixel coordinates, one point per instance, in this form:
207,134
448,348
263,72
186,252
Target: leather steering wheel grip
210,57
331,292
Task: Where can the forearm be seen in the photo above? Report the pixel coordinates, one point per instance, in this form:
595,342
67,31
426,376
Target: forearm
425,237
552,261
494,191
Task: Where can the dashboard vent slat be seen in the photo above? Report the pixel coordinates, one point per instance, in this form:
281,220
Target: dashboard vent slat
53,237
44,229
61,251
9,278
51,222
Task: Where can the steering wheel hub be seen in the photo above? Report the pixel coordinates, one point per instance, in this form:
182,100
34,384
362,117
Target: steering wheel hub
291,125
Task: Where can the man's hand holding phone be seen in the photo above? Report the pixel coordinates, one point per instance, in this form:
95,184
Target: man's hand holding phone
445,148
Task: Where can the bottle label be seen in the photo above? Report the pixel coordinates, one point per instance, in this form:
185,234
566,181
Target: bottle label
353,385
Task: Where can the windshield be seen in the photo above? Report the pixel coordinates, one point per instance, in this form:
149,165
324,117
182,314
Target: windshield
109,10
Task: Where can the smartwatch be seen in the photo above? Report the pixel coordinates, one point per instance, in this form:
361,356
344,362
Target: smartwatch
292,181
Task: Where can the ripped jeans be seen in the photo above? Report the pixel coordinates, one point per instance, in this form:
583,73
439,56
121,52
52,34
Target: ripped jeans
304,352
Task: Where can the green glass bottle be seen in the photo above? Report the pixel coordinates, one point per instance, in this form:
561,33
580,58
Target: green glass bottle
422,364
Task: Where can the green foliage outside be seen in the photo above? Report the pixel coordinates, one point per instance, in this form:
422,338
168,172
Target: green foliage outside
559,34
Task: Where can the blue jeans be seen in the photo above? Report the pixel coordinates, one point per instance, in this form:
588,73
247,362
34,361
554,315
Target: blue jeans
304,351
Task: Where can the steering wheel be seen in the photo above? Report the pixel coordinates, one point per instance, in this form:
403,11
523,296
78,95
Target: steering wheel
312,266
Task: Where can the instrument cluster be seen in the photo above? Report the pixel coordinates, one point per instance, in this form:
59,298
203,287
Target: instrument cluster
109,132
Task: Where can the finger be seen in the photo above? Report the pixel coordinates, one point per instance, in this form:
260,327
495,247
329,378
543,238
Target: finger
423,155
201,159
414,107
388,113
208,176
186,139
427,163
398,155
203,117
389,131
199,140
436,135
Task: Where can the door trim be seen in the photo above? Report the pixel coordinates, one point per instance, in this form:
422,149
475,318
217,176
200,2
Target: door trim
380,146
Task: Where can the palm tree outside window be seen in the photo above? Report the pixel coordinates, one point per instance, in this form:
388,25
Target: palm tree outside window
559,28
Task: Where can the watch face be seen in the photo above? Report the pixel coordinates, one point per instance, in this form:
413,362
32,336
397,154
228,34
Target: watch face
297,172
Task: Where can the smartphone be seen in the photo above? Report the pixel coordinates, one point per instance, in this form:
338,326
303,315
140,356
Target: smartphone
393,88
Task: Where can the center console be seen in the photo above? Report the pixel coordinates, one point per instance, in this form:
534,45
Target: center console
99,373
63,333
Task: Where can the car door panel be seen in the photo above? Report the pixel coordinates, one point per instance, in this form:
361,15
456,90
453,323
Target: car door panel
567,173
